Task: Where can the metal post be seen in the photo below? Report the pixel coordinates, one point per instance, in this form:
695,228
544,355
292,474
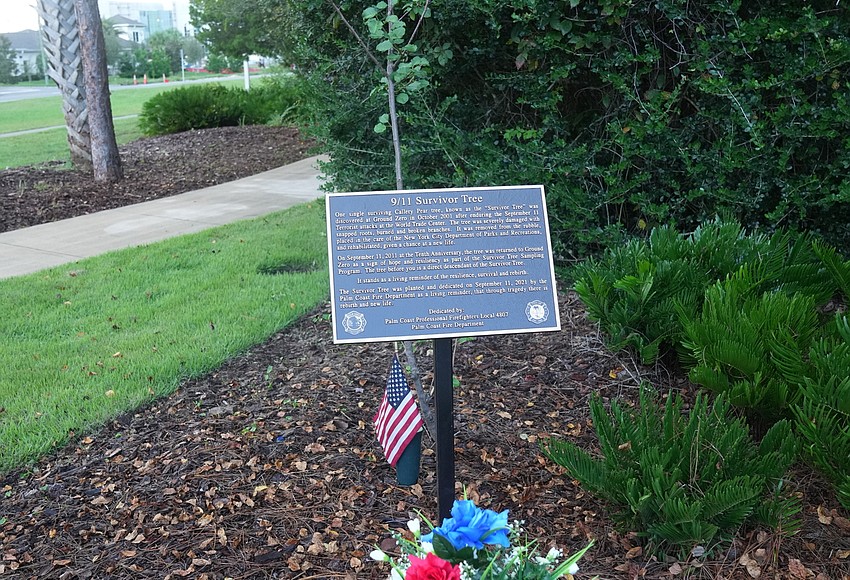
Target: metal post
247,76
444,404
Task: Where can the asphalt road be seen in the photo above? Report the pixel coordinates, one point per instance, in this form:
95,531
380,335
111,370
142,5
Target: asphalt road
21,93
13,93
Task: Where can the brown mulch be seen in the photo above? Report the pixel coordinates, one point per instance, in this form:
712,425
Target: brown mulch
268,467
154,167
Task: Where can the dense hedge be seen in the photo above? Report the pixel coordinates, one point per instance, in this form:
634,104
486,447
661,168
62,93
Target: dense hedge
631,113
207,106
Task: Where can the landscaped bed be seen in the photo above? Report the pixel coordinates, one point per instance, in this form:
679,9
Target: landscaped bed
268,467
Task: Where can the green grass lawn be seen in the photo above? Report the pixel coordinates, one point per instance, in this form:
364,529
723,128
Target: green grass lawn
86,342
83,343
47,111
52,145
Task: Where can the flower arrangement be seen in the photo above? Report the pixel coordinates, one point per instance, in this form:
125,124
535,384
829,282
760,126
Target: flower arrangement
474,544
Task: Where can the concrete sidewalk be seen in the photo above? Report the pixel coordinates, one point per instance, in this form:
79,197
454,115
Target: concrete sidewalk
44,246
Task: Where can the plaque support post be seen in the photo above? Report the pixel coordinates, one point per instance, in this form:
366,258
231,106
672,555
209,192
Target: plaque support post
444,406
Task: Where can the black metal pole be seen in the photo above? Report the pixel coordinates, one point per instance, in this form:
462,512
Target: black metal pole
444,404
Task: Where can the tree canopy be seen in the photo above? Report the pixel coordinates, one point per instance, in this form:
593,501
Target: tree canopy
168,42
8,67
238,29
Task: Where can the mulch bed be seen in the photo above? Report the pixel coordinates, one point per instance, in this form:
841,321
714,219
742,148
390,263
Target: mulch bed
153,167
268,467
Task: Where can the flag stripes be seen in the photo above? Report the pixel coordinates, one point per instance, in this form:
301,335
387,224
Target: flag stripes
397,420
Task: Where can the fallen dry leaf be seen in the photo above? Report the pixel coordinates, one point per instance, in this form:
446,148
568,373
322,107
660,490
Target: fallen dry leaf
752,567
675,569
841,522
798,570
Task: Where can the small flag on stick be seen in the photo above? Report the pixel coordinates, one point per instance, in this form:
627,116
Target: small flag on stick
398,419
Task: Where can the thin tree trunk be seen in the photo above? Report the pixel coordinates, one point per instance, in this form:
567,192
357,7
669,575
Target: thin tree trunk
106,161
399,177
61,41
427,414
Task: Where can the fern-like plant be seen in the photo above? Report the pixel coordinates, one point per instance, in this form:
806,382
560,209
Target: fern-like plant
682,479
633,291
837,268
823,415
752,346
636,290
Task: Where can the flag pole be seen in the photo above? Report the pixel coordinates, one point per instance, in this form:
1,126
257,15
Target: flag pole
444,406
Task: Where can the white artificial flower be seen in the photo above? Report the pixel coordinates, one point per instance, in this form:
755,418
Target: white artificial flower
396,575
467,572
379,555
554,554
427,548
573,569
414,526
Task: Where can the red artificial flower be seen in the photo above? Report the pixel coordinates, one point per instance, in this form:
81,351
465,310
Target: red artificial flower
431,567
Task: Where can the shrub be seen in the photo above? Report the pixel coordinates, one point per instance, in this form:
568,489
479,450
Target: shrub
641,291
743,313
280,100
751,347
667,112
823,416
206,106
682,480
194,107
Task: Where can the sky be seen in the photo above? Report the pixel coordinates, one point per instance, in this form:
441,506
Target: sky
16,15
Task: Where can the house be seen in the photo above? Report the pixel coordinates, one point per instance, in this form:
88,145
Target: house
128,29
153,16
27,47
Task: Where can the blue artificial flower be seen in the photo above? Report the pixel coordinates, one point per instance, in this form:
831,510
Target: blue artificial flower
471,526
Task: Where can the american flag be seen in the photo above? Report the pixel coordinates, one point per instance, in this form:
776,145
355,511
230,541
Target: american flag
398,419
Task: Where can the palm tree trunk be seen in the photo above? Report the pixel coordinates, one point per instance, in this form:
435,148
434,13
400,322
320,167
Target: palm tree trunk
61,41
104,149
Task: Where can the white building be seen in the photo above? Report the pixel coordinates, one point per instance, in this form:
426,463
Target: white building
27,47
155,16
129,29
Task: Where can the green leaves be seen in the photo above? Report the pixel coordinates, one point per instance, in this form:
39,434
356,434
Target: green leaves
748,321
747,340
409,70
371,12
676,477
823,414
383,121
385,46
445,550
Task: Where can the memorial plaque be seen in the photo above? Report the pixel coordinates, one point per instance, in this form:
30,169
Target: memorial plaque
418,264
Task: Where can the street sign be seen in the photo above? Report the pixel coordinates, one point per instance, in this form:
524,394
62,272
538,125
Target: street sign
415,264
